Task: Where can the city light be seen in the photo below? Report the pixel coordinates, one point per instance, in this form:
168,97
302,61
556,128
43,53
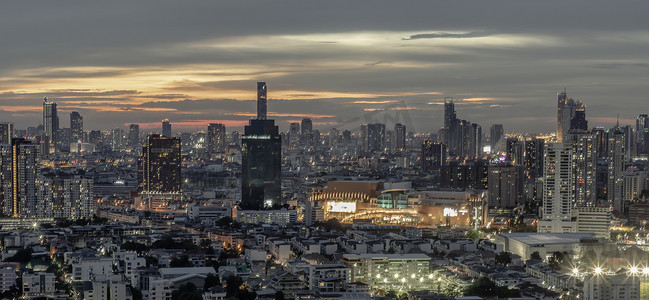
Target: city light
598,270
645,271
575,271
634,270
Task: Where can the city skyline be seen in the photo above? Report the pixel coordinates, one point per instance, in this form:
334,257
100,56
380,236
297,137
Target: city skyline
505,66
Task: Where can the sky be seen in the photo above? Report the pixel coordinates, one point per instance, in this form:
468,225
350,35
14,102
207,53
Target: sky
341,63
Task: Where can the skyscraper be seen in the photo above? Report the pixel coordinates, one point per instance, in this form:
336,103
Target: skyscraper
294,136
166,128
216,138
375,137
584,163
159,166
642,133
50,126
6,132
18,171
261,101
76,127
399,137
261,159
616,168
134,136
558,195
433,156
307,132
496,134
533,161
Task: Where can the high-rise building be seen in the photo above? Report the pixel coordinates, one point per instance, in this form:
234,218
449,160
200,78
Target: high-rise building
433,156
612,286
216,138
399,137
294,136
261,101
261,159
505,186
6,133
584,163
50,126
642,133
497,133
616,167
375,137
166,128
69,197
578,121
533,161
19,173
635,181
96,138
307,132
134,136
159,166
515,150
76,127
333,137
363,138
558,195
117,139
451,131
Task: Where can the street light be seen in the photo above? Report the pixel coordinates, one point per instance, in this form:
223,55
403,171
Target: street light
598,270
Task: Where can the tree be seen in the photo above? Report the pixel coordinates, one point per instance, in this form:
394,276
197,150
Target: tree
535,255
233,285
279,295
503,258
473,234
179,262
557,260
484,287
211,280
22,256
187,291
133,246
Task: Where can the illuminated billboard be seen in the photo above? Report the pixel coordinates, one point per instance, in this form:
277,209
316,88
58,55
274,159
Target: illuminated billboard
450,212
345,207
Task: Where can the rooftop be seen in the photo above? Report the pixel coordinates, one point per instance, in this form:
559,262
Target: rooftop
533,238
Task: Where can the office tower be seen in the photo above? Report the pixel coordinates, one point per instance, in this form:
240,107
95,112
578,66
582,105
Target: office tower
159,166
533,161
584,163
451,131
166,128
558,195
76,127
64,139
50,126
616,167
6,133
294,135
346,136
472,140
449,112
399,137
134,136
433,156
307,132
464,175
375,137
216,138
261,159
497,132
363,138
235,138
19,171
578,121
117,139
261,101
505,186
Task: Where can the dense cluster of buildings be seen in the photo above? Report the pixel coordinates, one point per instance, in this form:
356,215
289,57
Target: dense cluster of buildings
375,211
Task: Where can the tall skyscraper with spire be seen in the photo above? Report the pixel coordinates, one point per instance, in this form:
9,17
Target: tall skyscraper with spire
166,128
261,151
50,126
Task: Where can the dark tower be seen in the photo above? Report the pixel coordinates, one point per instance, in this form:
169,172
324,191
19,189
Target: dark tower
261,150
159,166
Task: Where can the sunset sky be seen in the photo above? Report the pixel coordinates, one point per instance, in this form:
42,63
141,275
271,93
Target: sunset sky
342,63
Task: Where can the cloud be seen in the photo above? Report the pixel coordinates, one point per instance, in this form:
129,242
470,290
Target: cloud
447,35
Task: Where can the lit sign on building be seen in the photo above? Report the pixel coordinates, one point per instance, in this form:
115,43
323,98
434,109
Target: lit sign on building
450,212
346,207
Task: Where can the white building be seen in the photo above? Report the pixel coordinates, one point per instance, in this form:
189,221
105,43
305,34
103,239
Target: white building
108,287
319,273
390,271
87,267
558,189
634,182
40,283
7,277
280,217
524,244
593,219
611,286
196,212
